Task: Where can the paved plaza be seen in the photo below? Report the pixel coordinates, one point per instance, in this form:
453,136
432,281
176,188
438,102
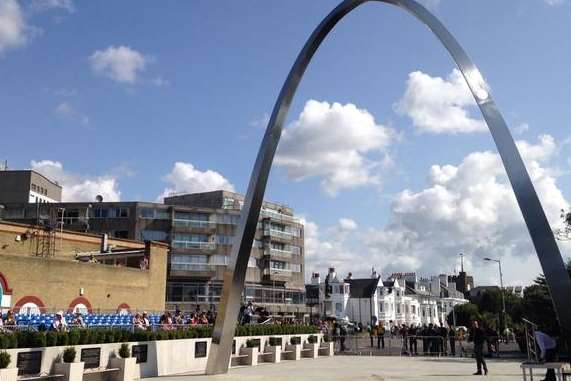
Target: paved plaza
376,368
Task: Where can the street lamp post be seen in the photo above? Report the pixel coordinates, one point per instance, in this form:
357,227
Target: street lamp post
499,262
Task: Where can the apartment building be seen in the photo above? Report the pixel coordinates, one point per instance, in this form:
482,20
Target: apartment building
200,229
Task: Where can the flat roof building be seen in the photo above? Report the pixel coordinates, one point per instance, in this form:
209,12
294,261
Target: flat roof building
27,186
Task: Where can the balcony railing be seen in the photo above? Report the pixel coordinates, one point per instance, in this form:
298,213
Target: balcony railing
277,272
194,245
194,224
192,267
279,234
280,217
278,252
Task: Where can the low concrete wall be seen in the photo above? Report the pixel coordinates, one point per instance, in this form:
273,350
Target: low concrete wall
164,357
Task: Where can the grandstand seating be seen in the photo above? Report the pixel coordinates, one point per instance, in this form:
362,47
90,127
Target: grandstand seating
92,320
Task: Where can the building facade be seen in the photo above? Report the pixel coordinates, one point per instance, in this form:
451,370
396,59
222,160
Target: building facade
27,186
403,298
79,276
200,230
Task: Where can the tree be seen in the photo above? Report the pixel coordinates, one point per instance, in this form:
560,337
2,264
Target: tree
465,314
537,303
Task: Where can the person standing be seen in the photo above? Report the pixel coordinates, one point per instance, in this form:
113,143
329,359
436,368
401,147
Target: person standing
478,336
547,346
381,336
452,340
412,340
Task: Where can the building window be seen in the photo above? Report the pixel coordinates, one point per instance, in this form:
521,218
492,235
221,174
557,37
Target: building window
224,239
120,212
153,235
338,308
100,213
218,260
279,265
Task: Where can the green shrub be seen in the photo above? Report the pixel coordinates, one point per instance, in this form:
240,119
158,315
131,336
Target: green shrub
295,340
69,354
51,339
84,336
62,339
312,339
5,359
125,351
253,343
275,341
74,337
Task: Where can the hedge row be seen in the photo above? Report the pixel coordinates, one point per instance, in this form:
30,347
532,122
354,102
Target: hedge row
32,339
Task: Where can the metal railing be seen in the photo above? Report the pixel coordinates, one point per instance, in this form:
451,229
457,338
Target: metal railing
193,245
278,252
280,234
194,223
439,346
192,267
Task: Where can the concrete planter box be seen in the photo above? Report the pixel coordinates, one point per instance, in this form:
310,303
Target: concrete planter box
272,353
163,357
252,356
8,374
72,371
292,352
310,350
326,349
127,368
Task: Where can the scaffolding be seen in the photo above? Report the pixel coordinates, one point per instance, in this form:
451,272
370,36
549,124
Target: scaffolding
46,231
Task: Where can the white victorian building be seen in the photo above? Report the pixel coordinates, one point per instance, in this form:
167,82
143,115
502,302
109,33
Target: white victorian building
402,299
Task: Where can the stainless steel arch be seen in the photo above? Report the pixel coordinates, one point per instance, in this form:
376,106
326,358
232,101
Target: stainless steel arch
534,216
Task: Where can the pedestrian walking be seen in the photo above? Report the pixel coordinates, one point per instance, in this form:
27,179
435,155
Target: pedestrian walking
547,347
478,336
381,336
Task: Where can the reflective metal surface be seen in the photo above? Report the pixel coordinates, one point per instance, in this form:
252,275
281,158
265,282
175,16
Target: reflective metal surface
534,216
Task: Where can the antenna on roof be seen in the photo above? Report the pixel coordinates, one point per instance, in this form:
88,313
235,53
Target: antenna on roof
99,198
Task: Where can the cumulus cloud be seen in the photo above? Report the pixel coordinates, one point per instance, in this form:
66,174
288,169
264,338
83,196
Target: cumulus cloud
44,5
77,187
329,247
465,208
438,105
468,208
66,111
121,64
185,178
14,31
520,129
330,141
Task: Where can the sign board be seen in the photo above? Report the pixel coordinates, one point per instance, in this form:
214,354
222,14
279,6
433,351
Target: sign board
200,349
91,357
140,352
29,362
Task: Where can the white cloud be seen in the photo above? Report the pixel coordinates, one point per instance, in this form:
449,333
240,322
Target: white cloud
329,247
77,187
554,2
468,208
14,31
185,178
438,105
121,64
520,129
65,110
347,224
44,5
330,141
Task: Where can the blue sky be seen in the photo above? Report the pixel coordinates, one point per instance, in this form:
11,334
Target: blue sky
108,97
